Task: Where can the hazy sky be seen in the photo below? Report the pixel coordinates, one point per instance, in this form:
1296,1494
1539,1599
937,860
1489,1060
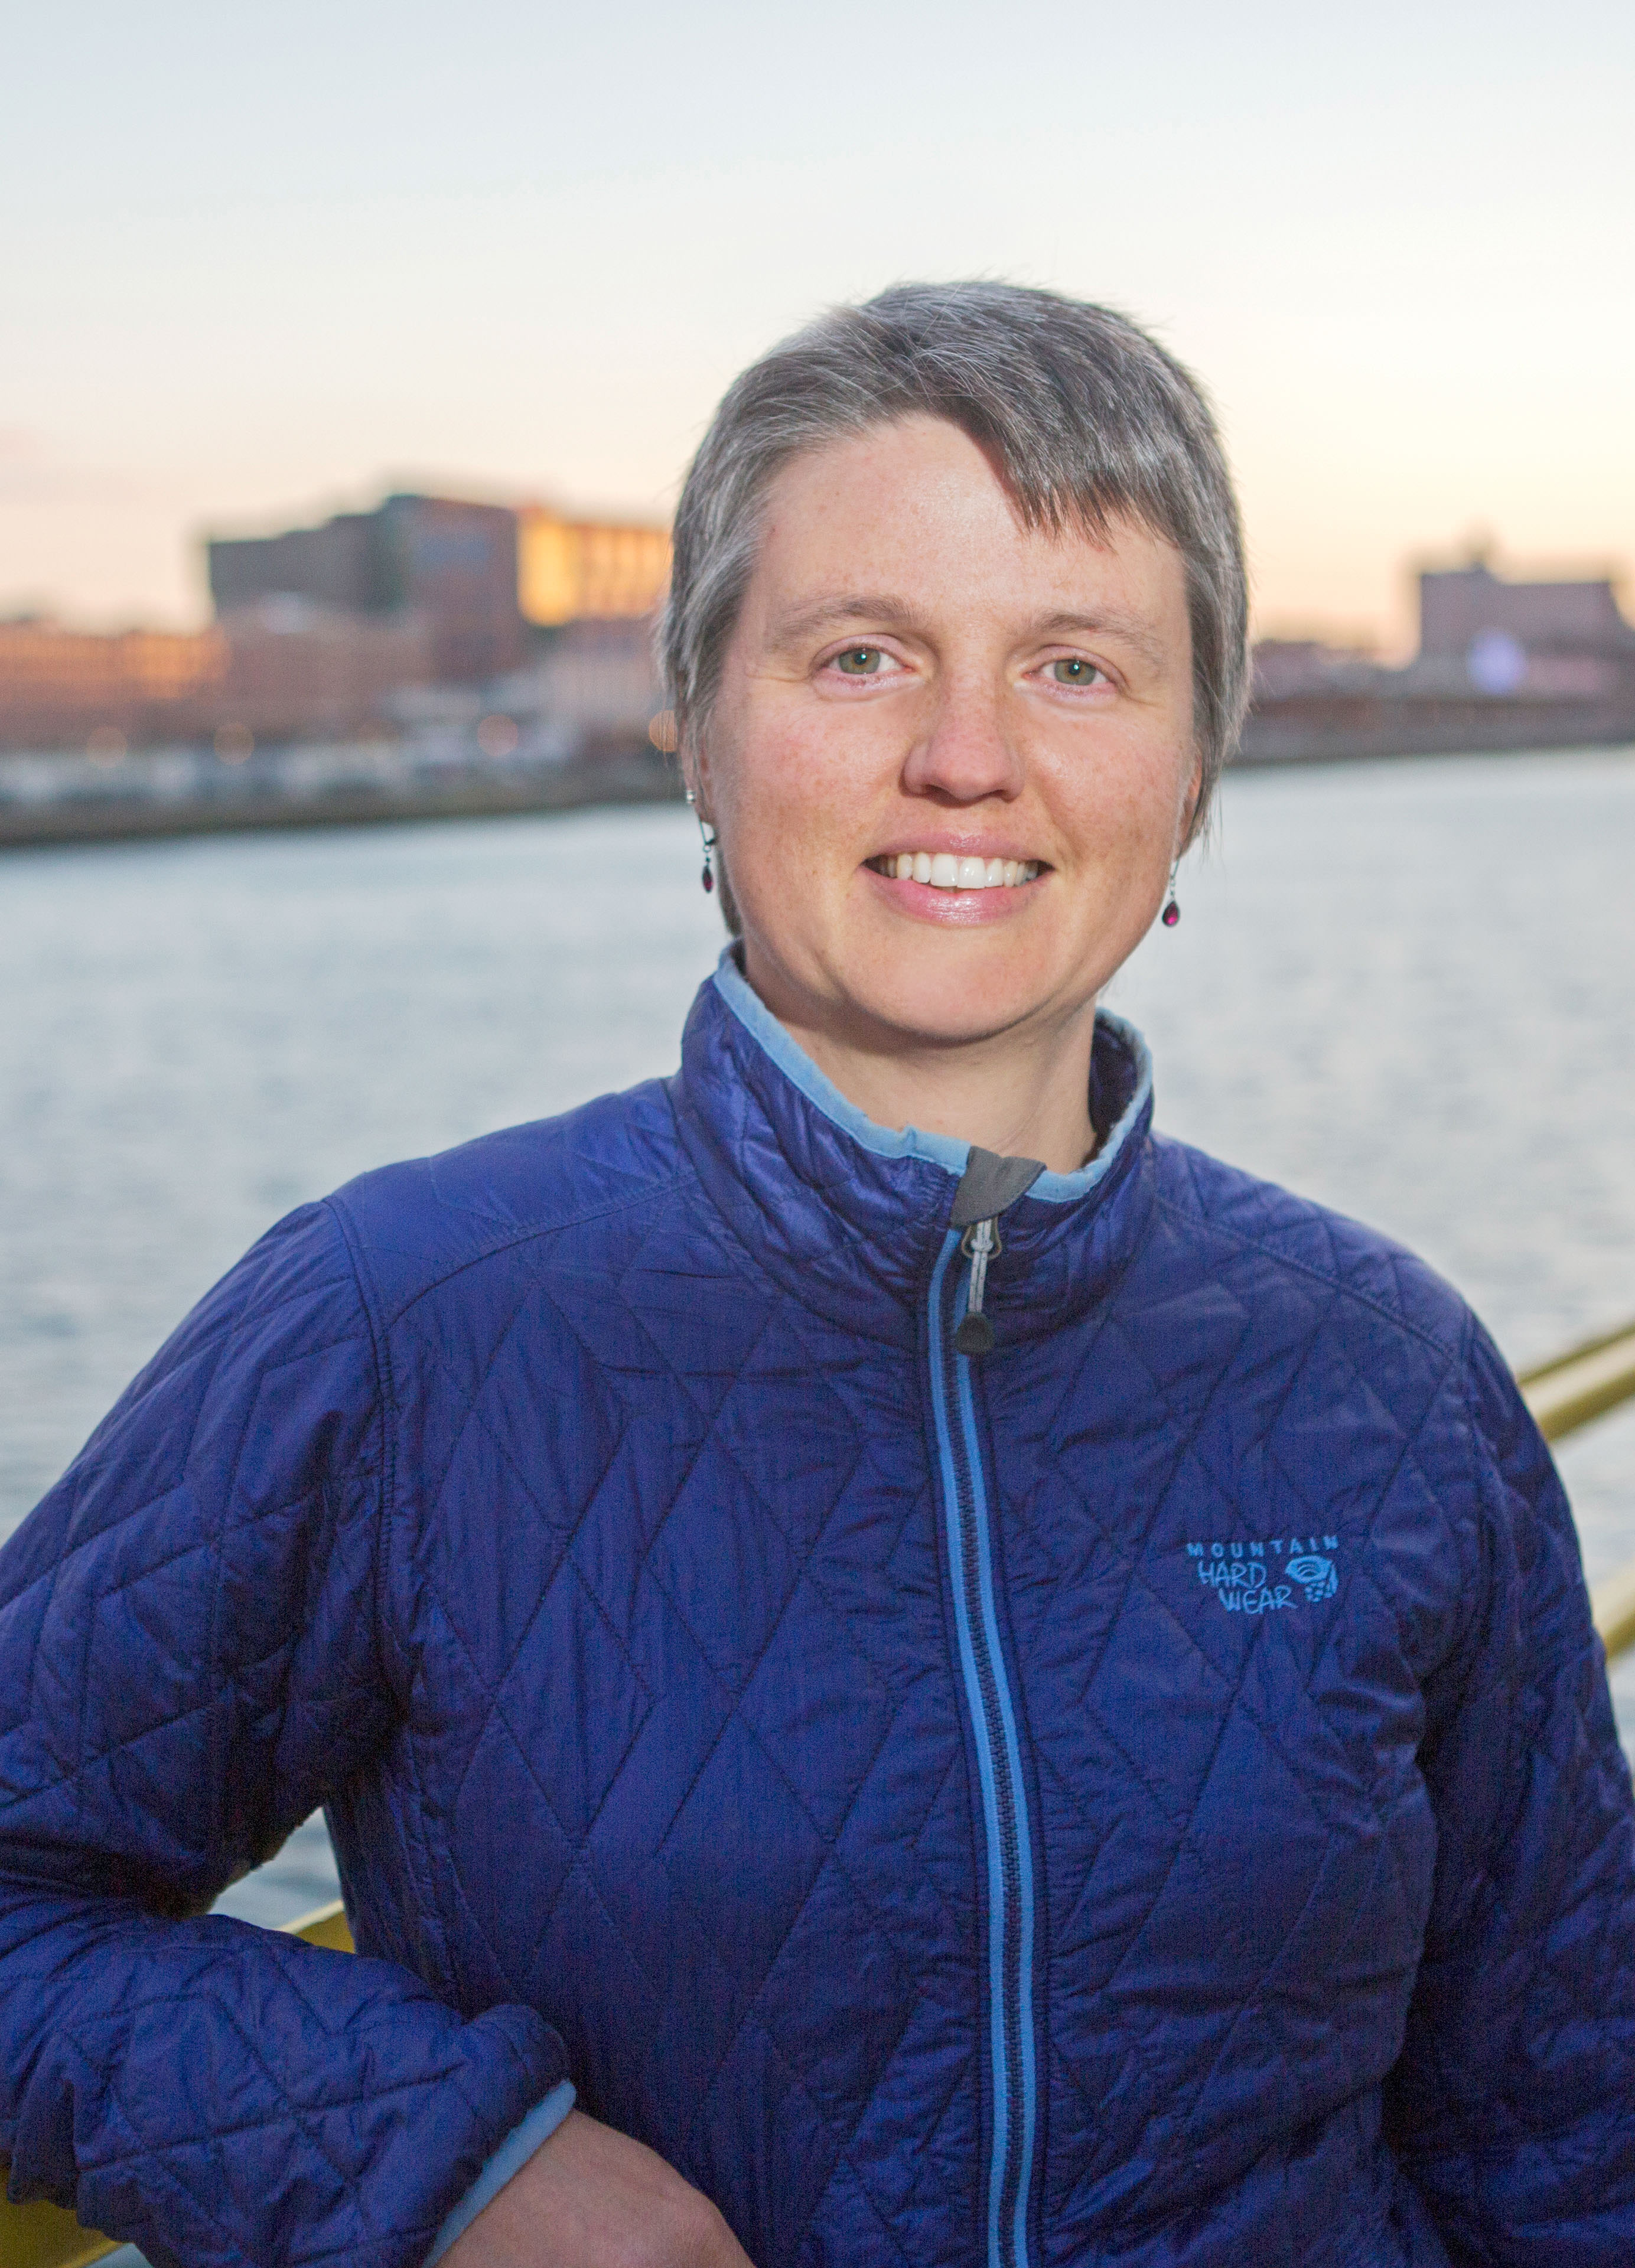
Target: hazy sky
258,263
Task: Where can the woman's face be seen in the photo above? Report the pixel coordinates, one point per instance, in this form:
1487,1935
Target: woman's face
918,677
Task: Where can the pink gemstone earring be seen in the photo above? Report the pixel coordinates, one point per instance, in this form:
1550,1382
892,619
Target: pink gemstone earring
1171,914
706,835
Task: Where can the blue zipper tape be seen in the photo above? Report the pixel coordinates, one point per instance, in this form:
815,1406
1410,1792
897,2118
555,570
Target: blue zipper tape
1012,2046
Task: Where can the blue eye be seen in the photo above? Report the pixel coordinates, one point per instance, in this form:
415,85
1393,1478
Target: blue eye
858,661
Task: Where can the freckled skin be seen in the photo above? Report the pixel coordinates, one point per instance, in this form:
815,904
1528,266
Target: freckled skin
913,668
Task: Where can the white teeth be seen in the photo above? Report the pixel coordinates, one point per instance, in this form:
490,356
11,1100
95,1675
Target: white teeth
945,869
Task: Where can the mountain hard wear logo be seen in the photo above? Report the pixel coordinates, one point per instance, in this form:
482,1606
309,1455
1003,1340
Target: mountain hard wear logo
1278,1571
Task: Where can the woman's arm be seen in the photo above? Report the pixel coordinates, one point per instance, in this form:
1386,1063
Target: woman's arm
188,1659
1512,2107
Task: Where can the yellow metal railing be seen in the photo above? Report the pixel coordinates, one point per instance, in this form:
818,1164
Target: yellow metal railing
1584,1383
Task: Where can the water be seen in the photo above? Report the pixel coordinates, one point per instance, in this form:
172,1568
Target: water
1408,989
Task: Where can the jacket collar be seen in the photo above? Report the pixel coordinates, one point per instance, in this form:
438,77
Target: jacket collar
851,1216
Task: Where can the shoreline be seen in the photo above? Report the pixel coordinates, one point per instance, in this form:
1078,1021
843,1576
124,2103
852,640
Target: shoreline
1270,740
162,794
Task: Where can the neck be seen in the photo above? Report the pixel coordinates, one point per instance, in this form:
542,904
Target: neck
1021,1095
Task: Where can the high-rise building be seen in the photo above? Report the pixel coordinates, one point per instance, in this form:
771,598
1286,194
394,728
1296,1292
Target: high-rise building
329,566
574,569
452,563
479,575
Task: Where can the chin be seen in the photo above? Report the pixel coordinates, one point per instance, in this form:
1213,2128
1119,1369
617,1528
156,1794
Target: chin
953,1009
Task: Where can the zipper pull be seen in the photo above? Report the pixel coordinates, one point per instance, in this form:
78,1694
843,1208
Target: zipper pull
979,1244
988,1184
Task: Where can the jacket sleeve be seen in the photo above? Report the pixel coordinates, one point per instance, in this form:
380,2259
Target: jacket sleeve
189,1660
1512,2107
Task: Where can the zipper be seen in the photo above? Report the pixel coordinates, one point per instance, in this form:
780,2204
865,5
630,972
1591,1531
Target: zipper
988,1698
980,1244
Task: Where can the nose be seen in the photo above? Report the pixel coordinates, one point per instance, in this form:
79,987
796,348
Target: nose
966,755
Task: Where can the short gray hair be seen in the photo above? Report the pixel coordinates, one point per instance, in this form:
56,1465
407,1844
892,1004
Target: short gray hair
1090,419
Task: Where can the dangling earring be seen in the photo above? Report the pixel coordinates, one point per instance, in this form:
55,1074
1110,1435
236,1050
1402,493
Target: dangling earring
1171,914
706,835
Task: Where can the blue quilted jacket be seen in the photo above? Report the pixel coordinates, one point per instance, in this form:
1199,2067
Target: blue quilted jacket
1142,1793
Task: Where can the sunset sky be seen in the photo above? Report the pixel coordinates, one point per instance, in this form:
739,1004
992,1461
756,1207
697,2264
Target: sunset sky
260,263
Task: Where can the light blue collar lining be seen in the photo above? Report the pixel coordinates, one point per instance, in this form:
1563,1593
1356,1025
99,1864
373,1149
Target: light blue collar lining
942,1150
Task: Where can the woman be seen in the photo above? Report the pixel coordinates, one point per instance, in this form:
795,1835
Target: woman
901,1671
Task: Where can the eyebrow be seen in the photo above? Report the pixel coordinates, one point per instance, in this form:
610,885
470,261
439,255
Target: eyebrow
892,612
1110,620
847,607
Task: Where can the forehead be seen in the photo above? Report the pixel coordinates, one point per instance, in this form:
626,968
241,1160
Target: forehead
920,508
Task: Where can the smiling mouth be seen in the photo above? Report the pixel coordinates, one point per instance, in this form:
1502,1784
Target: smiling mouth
941,870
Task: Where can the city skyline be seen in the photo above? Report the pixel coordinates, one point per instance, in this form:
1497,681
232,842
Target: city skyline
265,274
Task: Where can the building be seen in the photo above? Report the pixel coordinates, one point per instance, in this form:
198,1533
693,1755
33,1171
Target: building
333,565
296,671
1484,637
282,669
1461,604
479,575
70,688
571,569
450,564
1501,665
596,685
1288,669
328,632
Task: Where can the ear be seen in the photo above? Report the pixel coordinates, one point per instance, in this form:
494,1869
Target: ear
693,762
1189,805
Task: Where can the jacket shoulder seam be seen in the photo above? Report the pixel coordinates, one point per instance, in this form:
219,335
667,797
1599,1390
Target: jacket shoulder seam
1448,1356
522,1232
